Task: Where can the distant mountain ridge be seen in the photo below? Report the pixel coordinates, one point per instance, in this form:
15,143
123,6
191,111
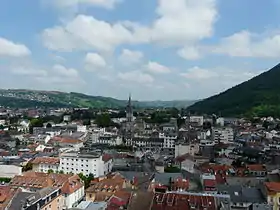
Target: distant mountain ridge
23,98
259,96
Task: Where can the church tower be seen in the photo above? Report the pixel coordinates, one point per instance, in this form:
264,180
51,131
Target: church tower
129,110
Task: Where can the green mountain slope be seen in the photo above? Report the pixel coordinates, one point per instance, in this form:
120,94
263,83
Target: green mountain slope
259,96
34,98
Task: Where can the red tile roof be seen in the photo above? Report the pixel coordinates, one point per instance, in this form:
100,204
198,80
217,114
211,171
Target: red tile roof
6,194
119,199
175,201
272,187
68,183
209,183
256,167
47,160
106,157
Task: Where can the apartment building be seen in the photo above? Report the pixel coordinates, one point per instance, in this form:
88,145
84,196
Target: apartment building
45,164
86,163
223,135
45,199
71,186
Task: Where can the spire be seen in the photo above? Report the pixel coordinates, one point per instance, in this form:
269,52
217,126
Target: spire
129,111
129,100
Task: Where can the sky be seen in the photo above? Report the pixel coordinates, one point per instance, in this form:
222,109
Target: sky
153,49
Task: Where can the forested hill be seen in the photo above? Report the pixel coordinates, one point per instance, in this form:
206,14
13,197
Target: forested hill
259,96
21,98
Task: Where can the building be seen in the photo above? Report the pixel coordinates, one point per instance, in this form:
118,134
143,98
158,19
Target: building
148,142
9,171
7,193
272,194
242,197
71,186
129,110
174,200
44,199
102,189
198,120
85,163
169,140
223,135
209,182
184,148
45,164
129,120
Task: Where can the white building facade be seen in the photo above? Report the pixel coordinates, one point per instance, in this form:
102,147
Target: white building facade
86,163
224,135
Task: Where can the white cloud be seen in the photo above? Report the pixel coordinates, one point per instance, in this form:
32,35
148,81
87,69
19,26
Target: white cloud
108,4
86,32
136,76
56,75
180,23
247,44
27,71
130,57
184,21
9,48
64,72
197,73
157,68
207,82
94,61
189,53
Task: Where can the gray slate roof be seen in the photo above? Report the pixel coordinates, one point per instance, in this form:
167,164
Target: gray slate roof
240,194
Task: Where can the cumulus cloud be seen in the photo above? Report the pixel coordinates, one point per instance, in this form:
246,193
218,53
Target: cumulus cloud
56,75
180,23
157,68
240,44
108,4
209,81
128,57
9,48
94,61
189,53
197,73
247,44
86,32
136,76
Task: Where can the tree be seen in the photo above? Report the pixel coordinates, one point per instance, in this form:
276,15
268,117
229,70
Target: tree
86,122
49,125
207,125
86,179
50,171
266,124
17,142
27,167
103,120
172,169
1,127
61,172
36,122
180,122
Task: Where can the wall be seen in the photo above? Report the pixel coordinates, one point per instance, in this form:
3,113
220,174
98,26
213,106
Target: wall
9,171
56,204
72,199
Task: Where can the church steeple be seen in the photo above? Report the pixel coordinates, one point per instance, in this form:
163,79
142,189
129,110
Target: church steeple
129,111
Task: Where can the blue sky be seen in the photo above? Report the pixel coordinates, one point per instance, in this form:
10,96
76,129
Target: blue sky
155,49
